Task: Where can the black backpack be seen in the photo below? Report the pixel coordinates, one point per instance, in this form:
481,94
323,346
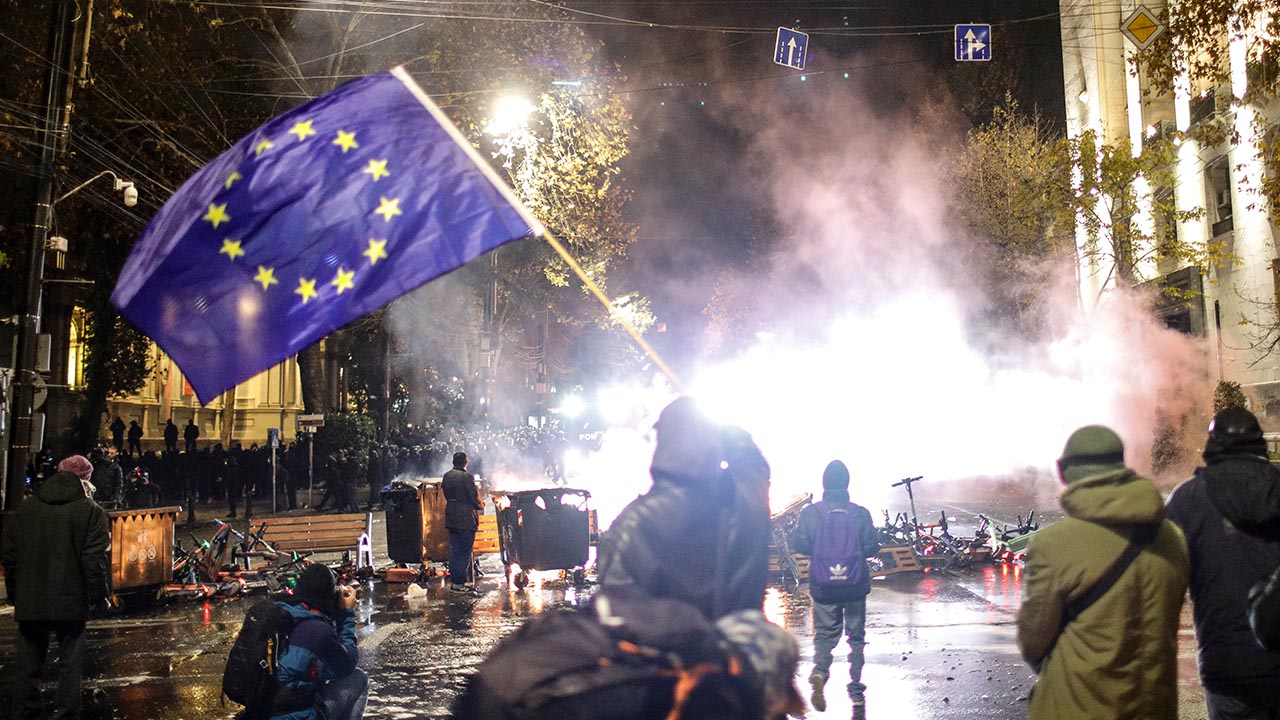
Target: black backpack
250,677
637,657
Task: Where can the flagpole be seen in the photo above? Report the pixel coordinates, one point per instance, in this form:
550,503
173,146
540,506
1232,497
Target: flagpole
538,228
604,300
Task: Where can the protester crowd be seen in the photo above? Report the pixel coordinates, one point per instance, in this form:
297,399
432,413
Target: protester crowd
676,628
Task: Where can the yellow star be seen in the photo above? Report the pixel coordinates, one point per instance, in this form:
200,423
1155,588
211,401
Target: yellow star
346,141
231,248
302,129
218,214
231,179
377,251
263,146
388,208
307,289
266,277
344,280
378,169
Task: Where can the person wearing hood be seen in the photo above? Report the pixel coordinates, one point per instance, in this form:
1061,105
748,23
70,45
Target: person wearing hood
320,659
837,609
55,556
1230,513
1102,592
701,533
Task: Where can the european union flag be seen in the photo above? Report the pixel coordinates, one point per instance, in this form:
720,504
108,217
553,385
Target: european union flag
318,217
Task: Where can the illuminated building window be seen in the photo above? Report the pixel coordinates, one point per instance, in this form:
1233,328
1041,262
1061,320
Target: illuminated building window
76,348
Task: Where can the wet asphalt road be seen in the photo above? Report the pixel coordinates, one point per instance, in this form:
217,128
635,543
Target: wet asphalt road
940,645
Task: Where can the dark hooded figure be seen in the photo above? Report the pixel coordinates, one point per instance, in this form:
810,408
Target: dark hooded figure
1230,513
701,533
56,564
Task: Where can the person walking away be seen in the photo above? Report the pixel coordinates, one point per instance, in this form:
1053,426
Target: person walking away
190,434
701,534
320,659
461,517
117,433
1102,592
1230,513
55,556
838,536
331,477
170,436
135,438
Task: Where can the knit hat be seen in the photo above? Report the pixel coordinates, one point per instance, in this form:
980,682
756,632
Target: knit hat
688,444
836,476
773,655
1091,450
1234,431
77,465
318,587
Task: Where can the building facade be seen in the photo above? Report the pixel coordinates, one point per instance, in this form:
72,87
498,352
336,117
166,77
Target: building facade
1232,302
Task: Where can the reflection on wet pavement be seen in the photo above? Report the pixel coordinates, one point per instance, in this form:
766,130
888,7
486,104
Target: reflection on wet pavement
939,645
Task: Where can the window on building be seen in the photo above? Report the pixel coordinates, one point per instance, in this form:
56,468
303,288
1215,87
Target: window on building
76,348
1218,185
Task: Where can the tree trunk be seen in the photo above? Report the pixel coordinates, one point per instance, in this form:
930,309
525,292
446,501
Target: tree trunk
84,435
311,375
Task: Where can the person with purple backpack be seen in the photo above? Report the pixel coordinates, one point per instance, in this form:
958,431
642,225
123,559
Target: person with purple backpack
838,536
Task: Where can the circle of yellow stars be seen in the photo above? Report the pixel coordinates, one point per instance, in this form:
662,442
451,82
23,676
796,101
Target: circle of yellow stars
344,279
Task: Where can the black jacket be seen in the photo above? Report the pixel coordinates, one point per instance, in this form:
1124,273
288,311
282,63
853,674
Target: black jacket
1216,509
1264,612
703,540
462,501
55,553
807,529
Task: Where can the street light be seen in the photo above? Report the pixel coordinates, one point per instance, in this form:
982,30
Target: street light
128,193
510,113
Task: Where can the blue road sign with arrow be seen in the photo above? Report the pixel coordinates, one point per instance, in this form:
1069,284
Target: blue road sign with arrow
973,43
791,48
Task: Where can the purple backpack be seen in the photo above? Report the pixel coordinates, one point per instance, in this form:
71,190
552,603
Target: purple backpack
838,558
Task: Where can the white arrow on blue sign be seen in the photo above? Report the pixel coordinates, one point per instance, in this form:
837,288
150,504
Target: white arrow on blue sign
791,48
973,43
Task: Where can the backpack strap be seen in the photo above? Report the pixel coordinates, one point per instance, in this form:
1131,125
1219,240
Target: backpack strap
1143,536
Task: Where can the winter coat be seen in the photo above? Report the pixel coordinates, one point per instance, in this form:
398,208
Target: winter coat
55,553
1264,612
191,432
108,478
321,648
1217,509
703,538
171,434
807,530
462,501
1118,659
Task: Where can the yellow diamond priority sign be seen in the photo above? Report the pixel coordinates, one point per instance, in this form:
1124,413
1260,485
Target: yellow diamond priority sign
1142,27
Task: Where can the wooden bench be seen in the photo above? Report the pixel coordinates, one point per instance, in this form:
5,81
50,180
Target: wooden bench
486,535
322,534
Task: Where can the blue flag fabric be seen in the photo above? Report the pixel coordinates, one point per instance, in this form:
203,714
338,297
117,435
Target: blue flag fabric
317,218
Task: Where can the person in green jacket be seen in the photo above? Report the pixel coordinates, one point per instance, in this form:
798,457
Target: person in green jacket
55,556
1118,657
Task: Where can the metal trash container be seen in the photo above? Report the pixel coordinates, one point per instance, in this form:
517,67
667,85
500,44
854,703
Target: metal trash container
142,548
547,529
406,522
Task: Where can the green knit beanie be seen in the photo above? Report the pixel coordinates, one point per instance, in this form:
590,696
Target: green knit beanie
1091,450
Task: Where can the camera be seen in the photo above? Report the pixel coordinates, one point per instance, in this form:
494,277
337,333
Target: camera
130,195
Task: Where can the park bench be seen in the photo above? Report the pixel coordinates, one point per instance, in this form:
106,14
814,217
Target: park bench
313,534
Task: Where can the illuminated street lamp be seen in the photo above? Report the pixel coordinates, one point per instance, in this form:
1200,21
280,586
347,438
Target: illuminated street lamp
510,113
